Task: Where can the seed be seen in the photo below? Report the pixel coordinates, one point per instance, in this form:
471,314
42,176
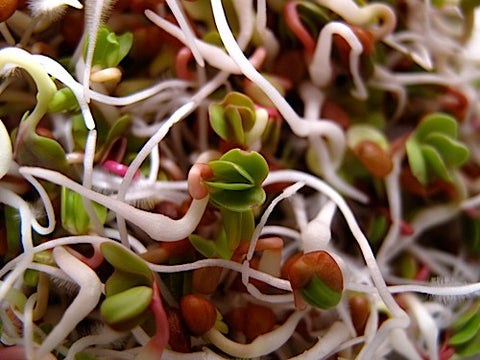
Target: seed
259,320
359,312
205,280
198,312
375,159
7,8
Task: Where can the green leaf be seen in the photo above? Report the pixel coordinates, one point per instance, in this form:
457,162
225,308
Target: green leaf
75,218
12,225
125,261
232,118
435,161
120,281
126,309
35,150
110,49
239,226
470,349
229,173
239,200
451,151
251,161
437,122
416,160
237,179
467,332
320,295
433,149
204,246
63,100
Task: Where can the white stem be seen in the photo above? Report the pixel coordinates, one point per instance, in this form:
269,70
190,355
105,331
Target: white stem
190,38
320,68
317,234
286,193
6,154
426,324
212,54
327,344
85,301
159,227
262,345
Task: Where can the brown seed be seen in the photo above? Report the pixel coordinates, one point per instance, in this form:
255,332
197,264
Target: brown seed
205,280
359,312
375,159
259,320
319,263
7,8
198,312
235,319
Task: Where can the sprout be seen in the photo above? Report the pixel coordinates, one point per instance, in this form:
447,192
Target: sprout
318,278
74,217
433,149
236,119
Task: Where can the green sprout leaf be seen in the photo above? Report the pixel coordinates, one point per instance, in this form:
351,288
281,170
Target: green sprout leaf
120,281
237,179
75,218
110,48
125,261
204,246
35,150
63,100
320,295
235,118
433,149
127,309
467,332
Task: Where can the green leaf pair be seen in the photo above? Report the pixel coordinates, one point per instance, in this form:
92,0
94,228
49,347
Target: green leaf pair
110,48
237,180
128,290
433,149
466,337
75,218
235,119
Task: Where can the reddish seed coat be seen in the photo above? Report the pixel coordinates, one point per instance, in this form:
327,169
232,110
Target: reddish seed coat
198,312
375,159
359,311
7,8
258,320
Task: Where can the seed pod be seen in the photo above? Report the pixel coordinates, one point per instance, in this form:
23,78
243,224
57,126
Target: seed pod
198,312
318,278
375,159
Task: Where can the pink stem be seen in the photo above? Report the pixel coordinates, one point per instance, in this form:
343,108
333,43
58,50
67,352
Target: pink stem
182,59
295,24
118,168
154,348
94,261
